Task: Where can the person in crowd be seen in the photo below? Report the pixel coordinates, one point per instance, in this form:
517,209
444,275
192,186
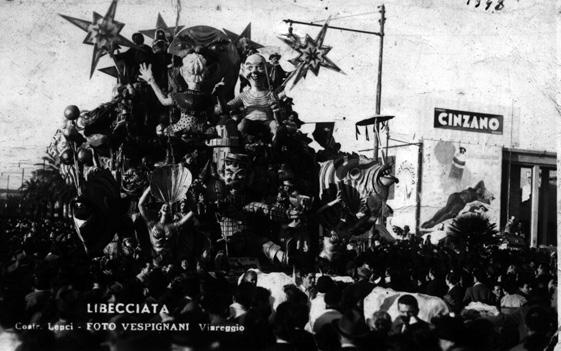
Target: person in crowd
454,296
498,293
408,319
436,285
332,300
352,331
317,304
242,302
282,329
479,292
307,284
512,299
380,322
524,287
450,332
250,277
363,285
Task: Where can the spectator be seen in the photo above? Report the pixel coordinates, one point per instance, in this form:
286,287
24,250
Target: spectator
251,277
282,329
512,299
455,294
317,305
436,285
450,332
242,302
408,320
332,299
352,330
479,292
381,323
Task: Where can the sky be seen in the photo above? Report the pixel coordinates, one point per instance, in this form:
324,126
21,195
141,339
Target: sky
443,48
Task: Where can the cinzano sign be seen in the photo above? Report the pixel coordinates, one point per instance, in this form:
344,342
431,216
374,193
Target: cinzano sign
468,121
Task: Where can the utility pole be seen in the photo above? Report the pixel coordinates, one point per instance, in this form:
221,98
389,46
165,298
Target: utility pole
382,21
22,175
380,34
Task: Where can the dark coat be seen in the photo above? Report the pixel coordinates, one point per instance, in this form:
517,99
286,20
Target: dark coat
454,299
398,324
436,287
479,293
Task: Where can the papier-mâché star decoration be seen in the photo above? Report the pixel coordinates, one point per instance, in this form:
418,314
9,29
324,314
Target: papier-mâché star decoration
102,33
238,38
161,24
312,54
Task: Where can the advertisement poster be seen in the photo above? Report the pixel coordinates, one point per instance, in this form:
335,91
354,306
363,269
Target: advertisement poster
278,175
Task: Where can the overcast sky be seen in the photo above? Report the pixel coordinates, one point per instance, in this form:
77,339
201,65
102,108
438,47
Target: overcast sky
433,47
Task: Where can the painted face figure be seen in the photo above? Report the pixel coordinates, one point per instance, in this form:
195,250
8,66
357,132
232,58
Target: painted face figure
254,69
194,69
159,238
183,207
235,170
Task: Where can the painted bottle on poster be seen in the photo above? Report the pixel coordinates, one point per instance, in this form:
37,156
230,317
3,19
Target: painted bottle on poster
458,164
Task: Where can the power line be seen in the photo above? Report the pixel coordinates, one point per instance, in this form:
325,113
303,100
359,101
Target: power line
347,16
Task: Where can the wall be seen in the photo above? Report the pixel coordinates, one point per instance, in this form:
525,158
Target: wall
441,175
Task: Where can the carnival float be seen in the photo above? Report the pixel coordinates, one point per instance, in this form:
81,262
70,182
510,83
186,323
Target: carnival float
200,156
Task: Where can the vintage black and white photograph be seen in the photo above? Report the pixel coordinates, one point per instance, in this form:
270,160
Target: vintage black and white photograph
324,175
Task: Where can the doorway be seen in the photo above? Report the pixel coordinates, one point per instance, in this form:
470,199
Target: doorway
529,194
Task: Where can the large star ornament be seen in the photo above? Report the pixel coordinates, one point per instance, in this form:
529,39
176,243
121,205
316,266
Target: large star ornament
312,55
102,33
161,24
246,33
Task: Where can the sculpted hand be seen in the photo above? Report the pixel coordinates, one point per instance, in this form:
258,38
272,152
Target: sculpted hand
218,86
146,73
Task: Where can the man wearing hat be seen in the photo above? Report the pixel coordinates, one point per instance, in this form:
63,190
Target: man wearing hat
276,74
352,330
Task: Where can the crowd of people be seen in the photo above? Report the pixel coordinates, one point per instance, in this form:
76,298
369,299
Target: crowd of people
48,280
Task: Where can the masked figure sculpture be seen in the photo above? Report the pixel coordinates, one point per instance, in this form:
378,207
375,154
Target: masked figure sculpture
230,215
168,184
221,54
234,214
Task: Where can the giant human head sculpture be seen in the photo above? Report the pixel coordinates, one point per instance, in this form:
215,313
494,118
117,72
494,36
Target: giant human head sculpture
194,70
254,69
